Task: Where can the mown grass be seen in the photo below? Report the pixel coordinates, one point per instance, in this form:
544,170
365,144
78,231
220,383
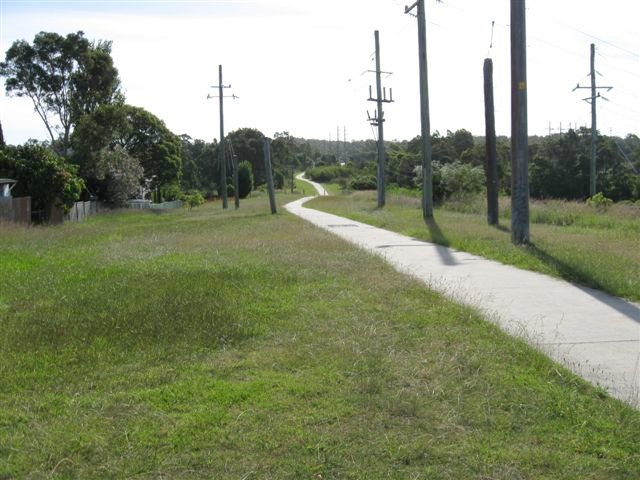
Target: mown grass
568,240
211,344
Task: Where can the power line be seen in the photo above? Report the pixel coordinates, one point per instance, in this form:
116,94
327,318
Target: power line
601,40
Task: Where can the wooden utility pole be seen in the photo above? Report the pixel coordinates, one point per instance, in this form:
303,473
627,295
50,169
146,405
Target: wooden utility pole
378,121
267,169
519,133
223,164
234,163
491,163
381,159
427,174
221,146
594,129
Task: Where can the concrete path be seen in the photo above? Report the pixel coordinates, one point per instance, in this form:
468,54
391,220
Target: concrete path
319,188
594,334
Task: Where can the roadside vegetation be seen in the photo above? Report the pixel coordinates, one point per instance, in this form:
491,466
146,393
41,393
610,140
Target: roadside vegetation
235,344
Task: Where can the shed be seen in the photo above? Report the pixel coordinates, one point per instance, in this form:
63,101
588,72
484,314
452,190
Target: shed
6,185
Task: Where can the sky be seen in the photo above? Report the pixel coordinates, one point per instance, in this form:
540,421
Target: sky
304,66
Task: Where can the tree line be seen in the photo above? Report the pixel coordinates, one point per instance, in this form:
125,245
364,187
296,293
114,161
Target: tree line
101,147
558,165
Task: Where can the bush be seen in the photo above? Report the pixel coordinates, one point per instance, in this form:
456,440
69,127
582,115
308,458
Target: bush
117,175
245,179
171,192
194,199
364,182
599,202
43,175
328,173
460,180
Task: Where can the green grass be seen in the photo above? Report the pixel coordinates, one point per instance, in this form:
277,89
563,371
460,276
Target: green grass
308,190
333,188
568,240
211,344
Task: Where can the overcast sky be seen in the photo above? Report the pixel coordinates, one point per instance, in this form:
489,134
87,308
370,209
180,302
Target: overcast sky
301,66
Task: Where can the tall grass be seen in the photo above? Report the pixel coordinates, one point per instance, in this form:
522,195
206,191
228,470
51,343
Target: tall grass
236,344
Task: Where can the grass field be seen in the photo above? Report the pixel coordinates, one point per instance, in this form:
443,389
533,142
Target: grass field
568,240
240,345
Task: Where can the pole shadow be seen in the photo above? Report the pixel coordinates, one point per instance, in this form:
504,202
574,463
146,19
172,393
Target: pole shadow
586,283
441,241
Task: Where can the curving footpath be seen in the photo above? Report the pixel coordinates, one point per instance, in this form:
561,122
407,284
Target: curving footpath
594,334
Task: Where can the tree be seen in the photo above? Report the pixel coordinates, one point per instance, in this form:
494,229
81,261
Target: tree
65,78
143,135
283,149
461,140
118,175
245,179
194,199
41,174
199,162
248,144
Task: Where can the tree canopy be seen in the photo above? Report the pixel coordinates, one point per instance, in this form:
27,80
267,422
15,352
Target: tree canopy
143,135
43,175
248,144
65,78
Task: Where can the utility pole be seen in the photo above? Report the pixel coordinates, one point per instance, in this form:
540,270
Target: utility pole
427,174
221,154
344,142
378,120
519,135
594,131
267,169
234,163
338,144
550,129
491,164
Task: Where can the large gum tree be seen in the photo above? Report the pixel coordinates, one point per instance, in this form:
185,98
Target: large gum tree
64,76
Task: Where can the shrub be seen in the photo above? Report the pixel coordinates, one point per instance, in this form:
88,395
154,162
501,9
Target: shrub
245,179
41,174
328,173
117,175
459,179
364,182
194,199
171,192
599,202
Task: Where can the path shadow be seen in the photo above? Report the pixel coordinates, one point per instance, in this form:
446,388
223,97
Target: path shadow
441,241
502,228
586,283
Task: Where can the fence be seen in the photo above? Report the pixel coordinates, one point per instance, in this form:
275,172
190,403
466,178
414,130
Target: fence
16,209
82,210
146,204
167,205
